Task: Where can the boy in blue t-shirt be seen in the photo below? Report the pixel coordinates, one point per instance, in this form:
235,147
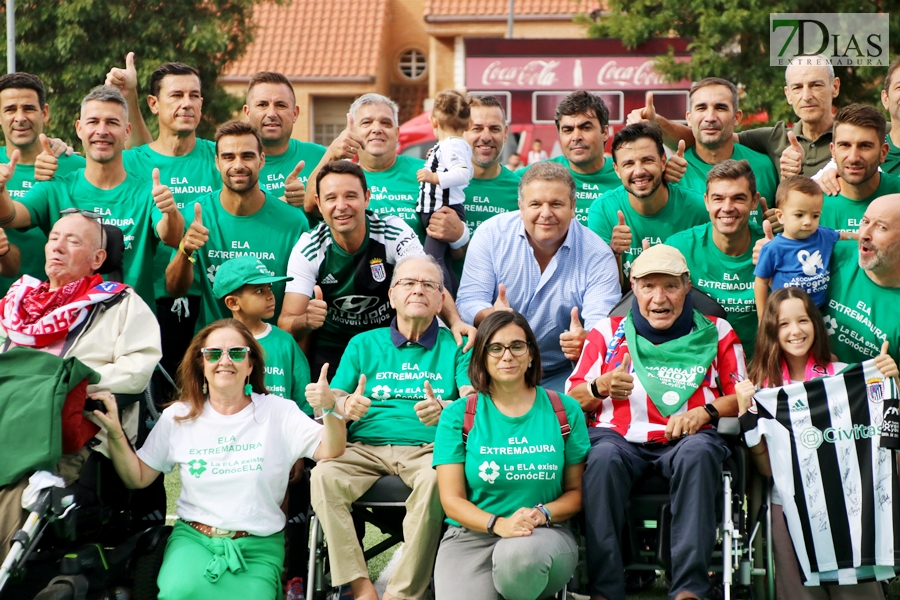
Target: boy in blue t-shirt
799,256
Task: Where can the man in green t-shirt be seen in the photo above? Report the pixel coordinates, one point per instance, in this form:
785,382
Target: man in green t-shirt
890,100
145,212
392,385
720,253
272,110
243,221
644,208
24,113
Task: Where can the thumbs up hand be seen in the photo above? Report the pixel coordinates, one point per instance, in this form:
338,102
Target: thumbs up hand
501,303
621,239
124,79
621,382
572,341
429,409
162,196
319,394
641,115
294,190
8,170
769,236
357,405
46,163
886,363
791,162
316,310
197,235
347,143
770,215
676,166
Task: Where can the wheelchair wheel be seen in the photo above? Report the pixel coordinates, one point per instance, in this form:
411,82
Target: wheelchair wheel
146,570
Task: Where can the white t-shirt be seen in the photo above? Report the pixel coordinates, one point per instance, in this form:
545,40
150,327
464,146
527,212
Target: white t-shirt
234,468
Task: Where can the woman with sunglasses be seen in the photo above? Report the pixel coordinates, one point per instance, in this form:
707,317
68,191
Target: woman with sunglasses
233,445
509,463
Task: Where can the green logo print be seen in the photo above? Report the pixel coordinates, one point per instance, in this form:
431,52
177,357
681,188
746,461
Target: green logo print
196,467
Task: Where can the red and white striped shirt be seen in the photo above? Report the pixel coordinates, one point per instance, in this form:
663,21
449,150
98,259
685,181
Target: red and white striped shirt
637,418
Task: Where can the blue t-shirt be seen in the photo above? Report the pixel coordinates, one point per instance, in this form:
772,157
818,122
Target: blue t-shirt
799,263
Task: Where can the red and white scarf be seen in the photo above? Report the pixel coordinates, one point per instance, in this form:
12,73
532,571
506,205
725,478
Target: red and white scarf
34,316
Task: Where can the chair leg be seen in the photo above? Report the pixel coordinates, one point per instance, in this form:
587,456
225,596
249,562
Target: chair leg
316,572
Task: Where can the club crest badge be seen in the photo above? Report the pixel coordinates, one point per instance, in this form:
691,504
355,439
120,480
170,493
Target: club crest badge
875,390
378,272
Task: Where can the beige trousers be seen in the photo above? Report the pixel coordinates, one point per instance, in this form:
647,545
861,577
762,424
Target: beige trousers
337,483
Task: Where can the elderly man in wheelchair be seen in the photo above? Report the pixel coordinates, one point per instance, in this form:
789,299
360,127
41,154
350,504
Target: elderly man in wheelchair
105,325
654,384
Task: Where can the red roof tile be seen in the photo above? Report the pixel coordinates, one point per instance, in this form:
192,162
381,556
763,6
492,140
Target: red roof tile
436,8
311,39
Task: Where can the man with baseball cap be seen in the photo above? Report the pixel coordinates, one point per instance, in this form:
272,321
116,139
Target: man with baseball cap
673,366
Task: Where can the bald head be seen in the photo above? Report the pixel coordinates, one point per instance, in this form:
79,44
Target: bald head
879,240
73,250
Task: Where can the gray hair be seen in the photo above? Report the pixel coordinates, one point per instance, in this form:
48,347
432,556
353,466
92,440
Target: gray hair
372,99
813,60
426,257
547,171
106,93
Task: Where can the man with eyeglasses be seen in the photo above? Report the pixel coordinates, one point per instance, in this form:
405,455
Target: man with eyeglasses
392,385
653,385
145,213
342,269
105,325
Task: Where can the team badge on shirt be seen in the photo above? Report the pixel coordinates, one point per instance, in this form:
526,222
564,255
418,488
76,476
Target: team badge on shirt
875,390
378,272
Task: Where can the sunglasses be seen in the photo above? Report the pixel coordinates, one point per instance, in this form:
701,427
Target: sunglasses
235,353
89,215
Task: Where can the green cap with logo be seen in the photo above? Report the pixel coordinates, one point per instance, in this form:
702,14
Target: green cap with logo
241,271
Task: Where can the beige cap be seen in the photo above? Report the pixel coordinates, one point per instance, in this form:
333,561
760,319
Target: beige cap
659,259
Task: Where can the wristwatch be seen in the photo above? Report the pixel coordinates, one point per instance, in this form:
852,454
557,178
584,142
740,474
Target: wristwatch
595,392
490,526
713,413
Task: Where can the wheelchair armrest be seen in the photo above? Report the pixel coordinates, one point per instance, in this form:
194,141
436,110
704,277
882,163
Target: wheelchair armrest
729,427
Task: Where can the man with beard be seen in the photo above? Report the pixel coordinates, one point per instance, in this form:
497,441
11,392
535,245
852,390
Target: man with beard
644,208
247,222
858,148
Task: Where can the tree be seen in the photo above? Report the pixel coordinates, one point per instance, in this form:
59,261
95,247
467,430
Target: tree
72,44
730,39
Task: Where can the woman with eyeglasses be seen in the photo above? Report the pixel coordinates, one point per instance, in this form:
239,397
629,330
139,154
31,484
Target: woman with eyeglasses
509,461
233,445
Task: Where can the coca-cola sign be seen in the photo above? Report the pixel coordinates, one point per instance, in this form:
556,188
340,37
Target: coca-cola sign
523,73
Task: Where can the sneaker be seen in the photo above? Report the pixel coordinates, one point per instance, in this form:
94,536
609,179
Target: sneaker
296,589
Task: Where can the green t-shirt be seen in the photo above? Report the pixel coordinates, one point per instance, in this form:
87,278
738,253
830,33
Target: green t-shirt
129,206
859,313
268,234
395,191
843,214
395,382
766,175
772,141
188,177
685,209
587,187
279,166
511,462
31,243
287,370
891,162
727,279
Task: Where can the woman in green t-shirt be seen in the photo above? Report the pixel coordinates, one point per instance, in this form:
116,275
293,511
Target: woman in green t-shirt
509,464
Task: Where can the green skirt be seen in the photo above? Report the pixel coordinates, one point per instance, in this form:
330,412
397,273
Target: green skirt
197,567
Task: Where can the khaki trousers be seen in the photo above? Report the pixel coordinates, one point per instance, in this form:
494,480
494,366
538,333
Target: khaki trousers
337,483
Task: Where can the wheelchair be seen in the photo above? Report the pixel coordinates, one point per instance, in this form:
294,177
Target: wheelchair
88,539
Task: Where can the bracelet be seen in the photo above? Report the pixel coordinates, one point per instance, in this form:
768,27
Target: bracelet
183,251
330,411
490,526
12,217
463,240
546,512
595,391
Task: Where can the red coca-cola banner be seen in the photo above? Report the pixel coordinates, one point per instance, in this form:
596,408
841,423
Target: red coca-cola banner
561,73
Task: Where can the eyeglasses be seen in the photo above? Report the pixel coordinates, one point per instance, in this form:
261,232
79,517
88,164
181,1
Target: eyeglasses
408,285
517,348
89,215
235,353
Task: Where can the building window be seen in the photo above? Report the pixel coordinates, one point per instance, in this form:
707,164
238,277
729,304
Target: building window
325,133
412,64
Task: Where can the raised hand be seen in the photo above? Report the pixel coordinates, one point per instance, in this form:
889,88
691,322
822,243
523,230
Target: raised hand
347,143
429,409
791,162
621,239
316,310
885,362
770,215
572,341
124,79
621,383
640,115
357,405
9,169
501,303
162,196
197,235
46,163
319,394
676,166
294,190
770,235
